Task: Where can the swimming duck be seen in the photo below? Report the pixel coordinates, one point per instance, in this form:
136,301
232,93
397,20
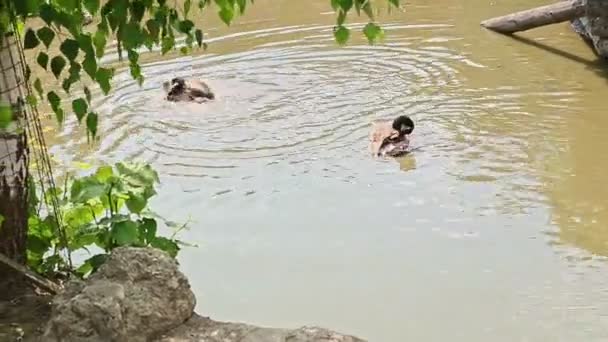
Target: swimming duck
391,138
192,90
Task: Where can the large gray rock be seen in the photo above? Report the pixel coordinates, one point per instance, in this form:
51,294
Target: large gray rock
204,329
139,294
136,295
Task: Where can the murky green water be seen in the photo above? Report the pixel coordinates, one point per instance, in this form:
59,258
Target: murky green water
495,229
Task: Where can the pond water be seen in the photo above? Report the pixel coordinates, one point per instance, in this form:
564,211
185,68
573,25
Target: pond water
494,229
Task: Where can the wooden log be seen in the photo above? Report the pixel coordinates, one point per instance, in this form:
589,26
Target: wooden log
536,17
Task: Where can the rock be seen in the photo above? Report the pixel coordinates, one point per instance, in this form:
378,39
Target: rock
139,294
136,295
200,328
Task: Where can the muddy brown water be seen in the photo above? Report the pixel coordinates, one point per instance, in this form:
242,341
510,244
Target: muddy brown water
494,229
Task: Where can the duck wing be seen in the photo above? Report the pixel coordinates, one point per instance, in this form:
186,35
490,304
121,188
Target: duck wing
200,89
381,133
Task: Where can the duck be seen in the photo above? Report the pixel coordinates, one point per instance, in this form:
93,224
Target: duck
390,138
179,89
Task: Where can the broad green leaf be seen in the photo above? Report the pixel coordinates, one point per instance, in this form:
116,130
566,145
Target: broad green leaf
341,33
92,123
69,5
30,40
199,37
43,60
54,99
92,6
92,264
46,35
59,114
137,10
125,233
186,26
57,65
47,13
136,203
70,48
80,108
104,173
226,14
138,174
38,87
372,32
187,4
153,28
89,64
85,189
6,115
103,76
164,244
394,2
85,42
167,44
99,40
242,5
147,229
345,5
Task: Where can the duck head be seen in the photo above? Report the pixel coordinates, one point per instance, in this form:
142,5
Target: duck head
404,125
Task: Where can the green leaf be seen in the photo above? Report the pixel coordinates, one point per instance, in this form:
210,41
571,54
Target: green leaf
131,35
68,5
57,65
89,64
43,60
226,14
6,115
38,87
103,76
186,26
199,37
394,2
70,48
87,93
85,189
136,203
138,174
92,123
100,40
137,10
46,35
92,6
54,99
104,173
30,40
125,233
92,264
372,32
166,245
31,100
55,102
345,5
79,106
342,34
47,13
153,28
85,41
187,5
167,44
242,5
147,229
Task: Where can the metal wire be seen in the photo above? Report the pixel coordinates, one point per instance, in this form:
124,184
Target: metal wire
35,141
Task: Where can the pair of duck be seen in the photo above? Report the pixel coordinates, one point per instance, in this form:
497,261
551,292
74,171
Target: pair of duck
387,138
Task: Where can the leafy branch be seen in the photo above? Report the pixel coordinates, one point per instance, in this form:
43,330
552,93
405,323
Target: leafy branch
134,24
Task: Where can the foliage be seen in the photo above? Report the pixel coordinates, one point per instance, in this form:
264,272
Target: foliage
106,209
134,24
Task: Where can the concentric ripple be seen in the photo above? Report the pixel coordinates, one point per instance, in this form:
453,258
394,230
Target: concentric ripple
298,100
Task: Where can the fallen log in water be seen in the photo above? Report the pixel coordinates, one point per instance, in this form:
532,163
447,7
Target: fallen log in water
536,17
